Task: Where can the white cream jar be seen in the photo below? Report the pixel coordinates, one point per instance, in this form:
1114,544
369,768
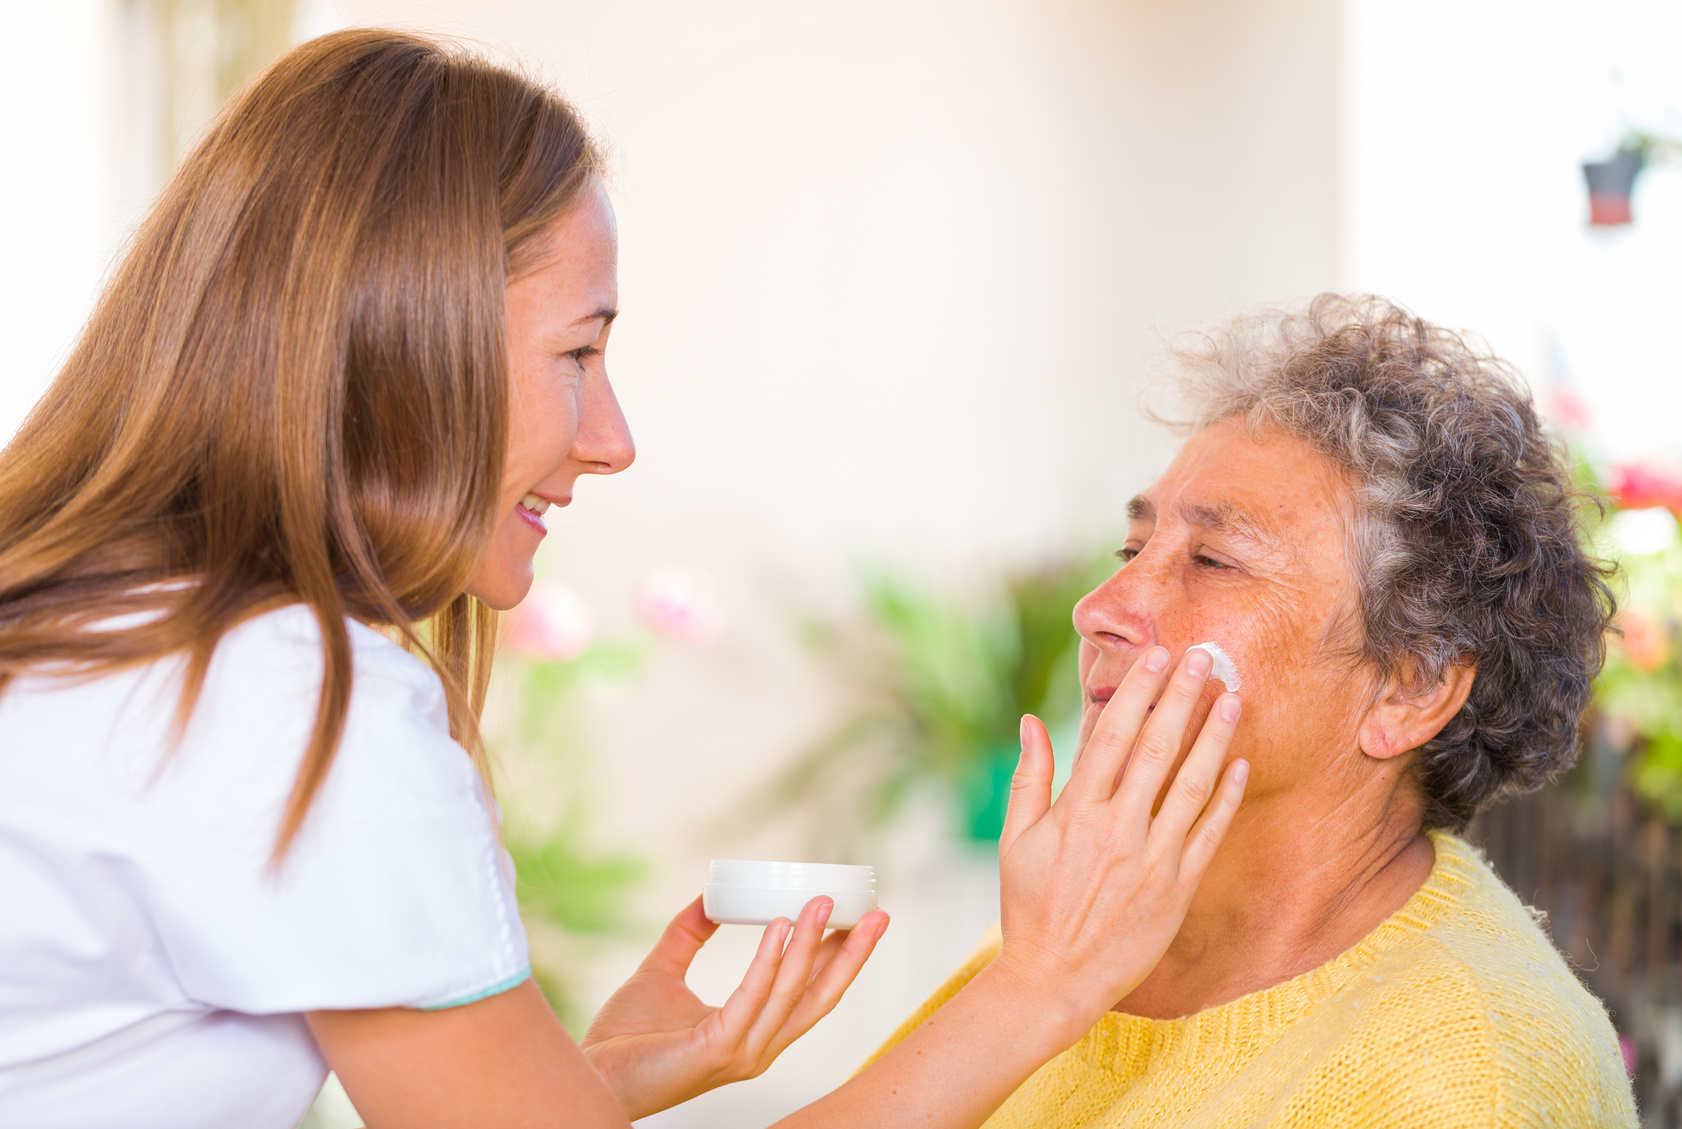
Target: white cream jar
739,892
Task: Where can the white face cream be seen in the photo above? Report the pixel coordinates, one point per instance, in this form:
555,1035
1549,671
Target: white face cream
740,892
1224,668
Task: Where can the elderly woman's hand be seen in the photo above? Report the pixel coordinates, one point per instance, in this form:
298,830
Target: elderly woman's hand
1094,887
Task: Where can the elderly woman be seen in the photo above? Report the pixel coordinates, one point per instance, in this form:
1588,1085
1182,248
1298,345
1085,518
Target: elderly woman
1370,525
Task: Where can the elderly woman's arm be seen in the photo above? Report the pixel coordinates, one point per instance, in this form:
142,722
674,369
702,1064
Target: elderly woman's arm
1092,890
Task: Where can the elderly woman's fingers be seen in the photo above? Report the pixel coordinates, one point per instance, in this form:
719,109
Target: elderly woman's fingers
1159,745
1195,783
1106,751
1207,832
1030,788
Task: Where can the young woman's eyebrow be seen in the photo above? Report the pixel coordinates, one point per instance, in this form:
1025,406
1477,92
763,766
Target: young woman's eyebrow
605,315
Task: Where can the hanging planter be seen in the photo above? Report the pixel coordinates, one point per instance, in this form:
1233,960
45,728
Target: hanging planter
1610,185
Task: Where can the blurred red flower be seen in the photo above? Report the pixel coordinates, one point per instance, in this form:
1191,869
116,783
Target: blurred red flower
1636,486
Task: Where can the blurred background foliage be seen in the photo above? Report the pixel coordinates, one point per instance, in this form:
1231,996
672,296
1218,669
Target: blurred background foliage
1639,697
575,890
940,681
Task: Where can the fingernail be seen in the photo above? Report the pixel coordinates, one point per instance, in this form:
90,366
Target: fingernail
824,911
1230,708
1022,732
1156,660
1241,771
1198,663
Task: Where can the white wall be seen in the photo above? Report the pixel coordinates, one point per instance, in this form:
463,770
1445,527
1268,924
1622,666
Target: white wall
1466,124
55,196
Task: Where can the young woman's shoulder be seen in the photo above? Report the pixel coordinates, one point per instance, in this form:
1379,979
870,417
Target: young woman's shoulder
395,891
285,644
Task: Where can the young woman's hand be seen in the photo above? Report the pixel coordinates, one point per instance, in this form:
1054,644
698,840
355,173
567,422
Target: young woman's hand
1094,887
656,1044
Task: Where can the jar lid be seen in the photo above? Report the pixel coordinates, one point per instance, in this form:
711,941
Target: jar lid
822,877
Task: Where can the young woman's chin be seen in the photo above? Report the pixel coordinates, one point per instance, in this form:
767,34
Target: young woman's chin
505,575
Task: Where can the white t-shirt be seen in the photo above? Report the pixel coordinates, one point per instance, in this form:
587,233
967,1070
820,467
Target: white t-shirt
152,970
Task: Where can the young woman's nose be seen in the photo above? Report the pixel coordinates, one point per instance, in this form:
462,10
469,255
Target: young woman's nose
603,443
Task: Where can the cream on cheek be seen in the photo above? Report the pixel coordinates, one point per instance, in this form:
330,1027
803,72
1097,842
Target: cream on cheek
1222,668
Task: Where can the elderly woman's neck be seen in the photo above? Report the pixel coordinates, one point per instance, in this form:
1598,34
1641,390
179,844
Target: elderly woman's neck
1285,895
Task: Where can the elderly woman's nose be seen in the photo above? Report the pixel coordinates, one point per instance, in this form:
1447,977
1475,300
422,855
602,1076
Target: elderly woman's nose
1105,617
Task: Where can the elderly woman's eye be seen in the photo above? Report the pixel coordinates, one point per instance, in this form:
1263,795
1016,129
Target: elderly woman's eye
1125,555
1209,562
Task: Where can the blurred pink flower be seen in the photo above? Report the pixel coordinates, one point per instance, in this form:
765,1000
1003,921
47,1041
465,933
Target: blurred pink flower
1644,641
552,622
1637,486
1627,1046
1571,411
682,606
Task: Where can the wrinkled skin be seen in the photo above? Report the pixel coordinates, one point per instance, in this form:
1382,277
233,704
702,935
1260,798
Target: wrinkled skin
1244,541
1241,543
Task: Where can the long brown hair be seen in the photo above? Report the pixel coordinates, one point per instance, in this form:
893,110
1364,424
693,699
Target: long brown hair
294,389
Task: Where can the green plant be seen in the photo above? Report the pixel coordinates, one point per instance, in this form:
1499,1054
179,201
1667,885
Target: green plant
574,893
940,684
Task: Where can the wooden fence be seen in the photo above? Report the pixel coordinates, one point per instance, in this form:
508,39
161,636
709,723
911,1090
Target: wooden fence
1605,872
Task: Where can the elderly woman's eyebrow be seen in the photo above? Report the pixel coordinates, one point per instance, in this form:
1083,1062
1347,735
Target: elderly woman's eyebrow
1227,518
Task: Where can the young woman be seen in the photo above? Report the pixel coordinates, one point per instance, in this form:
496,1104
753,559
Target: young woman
252,545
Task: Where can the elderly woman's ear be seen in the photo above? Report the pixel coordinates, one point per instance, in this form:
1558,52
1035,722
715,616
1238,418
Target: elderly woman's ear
1403,719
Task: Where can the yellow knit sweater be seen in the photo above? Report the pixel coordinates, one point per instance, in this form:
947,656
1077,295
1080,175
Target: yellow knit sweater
1455,1012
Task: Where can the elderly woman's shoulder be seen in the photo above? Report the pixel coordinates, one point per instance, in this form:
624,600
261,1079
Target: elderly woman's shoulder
1465,996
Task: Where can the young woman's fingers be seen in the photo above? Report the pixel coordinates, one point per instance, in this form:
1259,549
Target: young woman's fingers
1159,745
1199,775
683,938
1207,832
736,1017
790,984
830,981
832,944
1094,777
1030,788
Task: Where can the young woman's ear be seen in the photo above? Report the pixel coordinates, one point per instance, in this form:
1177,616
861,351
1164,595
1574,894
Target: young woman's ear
1402,720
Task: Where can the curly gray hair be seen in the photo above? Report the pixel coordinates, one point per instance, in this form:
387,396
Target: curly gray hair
1468,543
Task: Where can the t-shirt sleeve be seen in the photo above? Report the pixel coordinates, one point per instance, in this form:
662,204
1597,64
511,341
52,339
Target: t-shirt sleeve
396,890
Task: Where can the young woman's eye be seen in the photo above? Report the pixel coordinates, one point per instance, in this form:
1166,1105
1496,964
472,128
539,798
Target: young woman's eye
584,353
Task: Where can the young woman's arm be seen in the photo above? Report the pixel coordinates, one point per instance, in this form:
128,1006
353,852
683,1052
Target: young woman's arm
1093,888
507,1060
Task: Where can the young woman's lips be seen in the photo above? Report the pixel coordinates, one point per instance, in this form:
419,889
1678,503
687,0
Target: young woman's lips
531,508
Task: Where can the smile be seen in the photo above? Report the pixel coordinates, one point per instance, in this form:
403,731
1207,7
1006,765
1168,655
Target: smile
532,508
